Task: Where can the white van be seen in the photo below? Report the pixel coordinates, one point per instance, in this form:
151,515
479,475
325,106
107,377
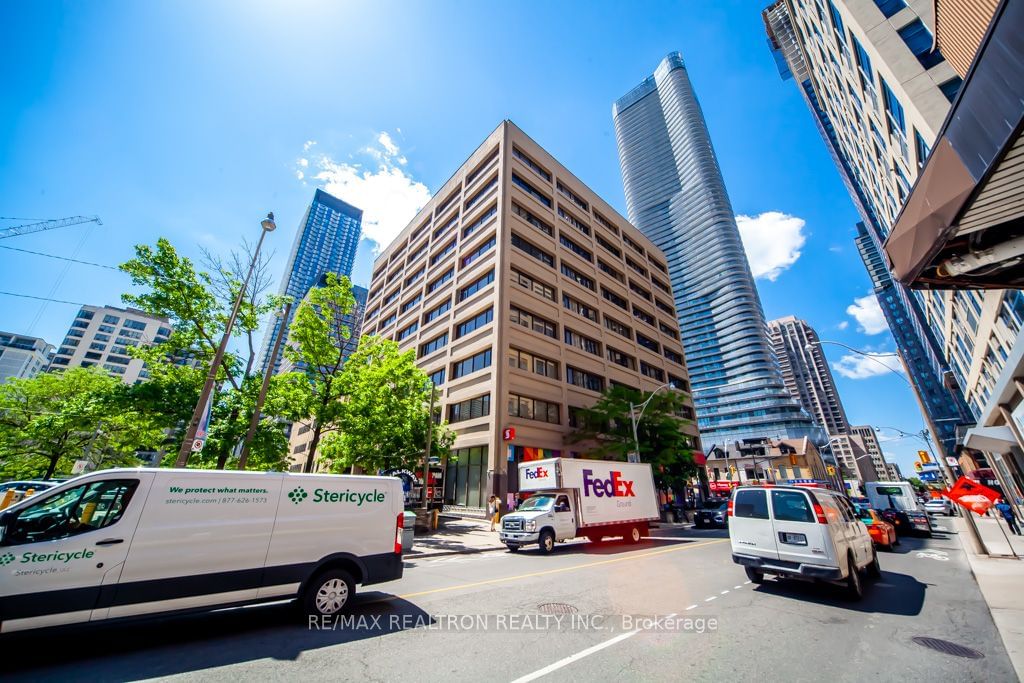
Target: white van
802,533
131,542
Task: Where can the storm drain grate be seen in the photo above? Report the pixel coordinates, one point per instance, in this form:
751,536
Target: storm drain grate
556,608
947,647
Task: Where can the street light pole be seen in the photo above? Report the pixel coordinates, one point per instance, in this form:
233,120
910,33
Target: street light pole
267,374
634,419
268,225
426,452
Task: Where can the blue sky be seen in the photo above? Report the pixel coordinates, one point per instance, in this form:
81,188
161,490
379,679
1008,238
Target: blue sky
192,120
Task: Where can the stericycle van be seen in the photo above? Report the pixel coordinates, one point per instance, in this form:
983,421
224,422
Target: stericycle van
131,542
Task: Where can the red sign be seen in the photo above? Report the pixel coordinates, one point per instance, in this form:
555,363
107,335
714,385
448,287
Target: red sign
699,459
725,486
508,434
972,495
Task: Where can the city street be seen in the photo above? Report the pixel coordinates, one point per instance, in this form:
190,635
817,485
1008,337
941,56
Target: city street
736,631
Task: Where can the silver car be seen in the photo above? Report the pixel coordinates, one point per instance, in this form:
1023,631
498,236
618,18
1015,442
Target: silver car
939,506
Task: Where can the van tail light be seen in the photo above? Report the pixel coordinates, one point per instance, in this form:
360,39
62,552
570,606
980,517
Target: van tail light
728,509
820,513
399,525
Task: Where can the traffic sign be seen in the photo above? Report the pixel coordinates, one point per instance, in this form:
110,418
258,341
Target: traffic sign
197,445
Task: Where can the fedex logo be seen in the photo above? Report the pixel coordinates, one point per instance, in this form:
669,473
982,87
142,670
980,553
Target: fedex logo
536,473
612,487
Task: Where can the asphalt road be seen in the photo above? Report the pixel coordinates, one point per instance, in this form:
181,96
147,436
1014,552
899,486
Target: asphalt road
496,616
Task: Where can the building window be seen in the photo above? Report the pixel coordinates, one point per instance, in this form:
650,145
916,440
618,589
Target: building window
475,322
536,252
532,220
575,248
951,88
533,409
678,383
643,315
529,362
608,246
618,328
577,277
635,266
648,343
119,360
614,298
666,329
481,167
533,322
111,319
893,110
134,324
470,203
81,324
579,308
472,364
405,332
474,287
87,315
531,164
531,190
93,356
606,223
437,378
446,227
608,270
448,248
864,62
479,222
890,7
387,321
524,280
471,409
575,198
652,372
409,305
673,356
433,345
923,150
432,314
580,341
639,290
919,40
573,221
582,378
98,347
620,358
415,276
478,252
433,286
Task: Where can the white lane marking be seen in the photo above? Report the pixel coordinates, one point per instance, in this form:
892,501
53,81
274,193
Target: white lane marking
710,599
724,592
579,655
737,587
691,607
745,583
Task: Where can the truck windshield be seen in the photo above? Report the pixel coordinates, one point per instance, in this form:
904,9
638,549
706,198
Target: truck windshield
537,503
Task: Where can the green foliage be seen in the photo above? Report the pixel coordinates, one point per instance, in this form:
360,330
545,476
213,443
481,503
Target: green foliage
382,421
608,432
49,421
916,483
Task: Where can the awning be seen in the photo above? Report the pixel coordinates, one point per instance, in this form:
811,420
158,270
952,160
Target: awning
992,439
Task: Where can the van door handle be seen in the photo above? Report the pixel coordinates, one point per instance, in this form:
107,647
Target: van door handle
110,541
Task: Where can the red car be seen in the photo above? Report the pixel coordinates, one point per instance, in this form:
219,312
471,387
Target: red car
883,534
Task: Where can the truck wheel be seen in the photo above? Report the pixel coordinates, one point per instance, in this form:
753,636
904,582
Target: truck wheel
512,548
329,593
755,575
854,589
874,569
634,535
547,541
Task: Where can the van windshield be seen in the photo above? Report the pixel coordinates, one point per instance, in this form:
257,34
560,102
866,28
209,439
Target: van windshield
537,503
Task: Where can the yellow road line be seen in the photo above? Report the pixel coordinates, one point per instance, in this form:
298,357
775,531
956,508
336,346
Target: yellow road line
557,570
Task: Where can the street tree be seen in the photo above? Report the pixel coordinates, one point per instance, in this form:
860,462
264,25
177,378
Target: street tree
606,429
51,420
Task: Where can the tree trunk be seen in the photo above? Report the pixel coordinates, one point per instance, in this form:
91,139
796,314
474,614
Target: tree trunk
311,455
54,459
222,457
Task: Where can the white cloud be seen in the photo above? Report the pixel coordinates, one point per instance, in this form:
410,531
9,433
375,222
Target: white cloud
309,143
387,195
299,174
868,314
303,163
836,249
843,325
855,366
772,241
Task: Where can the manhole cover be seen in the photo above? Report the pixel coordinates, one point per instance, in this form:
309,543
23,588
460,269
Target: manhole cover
947,647
557,608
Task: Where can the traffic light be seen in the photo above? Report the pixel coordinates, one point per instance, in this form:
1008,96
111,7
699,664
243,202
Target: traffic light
924,457
917,466
831,471
792,459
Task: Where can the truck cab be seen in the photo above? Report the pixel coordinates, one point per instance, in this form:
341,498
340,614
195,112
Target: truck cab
543,518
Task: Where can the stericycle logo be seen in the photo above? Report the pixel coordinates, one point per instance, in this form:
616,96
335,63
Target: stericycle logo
297,495
6,559
27,558
612,487
536,472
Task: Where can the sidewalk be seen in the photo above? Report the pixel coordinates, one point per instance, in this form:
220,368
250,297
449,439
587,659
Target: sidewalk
457,535
1000,580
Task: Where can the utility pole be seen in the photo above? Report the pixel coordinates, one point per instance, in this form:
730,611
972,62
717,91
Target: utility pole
267,374
426,451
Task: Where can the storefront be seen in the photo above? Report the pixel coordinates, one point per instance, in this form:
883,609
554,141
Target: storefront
466,482
518,454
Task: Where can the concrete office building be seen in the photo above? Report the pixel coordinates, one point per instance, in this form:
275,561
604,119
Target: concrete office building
525,296
873,447
894,471
879,94
806,372
325,242
22,357
100,336
676,196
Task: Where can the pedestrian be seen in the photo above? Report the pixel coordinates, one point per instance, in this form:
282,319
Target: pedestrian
494,510
1007,512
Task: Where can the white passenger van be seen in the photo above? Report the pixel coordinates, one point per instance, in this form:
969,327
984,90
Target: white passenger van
131,542
802,533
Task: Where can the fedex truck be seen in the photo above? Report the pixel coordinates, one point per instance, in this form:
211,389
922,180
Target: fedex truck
573,497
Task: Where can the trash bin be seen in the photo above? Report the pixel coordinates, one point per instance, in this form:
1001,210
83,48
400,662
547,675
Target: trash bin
408,530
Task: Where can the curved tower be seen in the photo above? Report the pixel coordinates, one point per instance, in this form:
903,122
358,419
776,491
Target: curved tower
675,195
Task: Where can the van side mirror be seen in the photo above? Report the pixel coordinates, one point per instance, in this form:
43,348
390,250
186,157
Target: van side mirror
5,519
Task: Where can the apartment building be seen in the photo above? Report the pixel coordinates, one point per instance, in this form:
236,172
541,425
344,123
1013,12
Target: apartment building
100,336
761,461
525,296
22,357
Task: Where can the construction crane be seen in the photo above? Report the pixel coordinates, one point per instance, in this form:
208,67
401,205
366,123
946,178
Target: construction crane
39,226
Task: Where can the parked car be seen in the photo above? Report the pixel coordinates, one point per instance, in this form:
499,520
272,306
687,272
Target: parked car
939,506
882,532
898,505
800,533
712,514
26,485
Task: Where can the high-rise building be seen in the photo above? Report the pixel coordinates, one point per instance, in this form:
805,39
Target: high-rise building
806,373
325,242
676,196
525,297
878,94
21,356
874,449
101,335
894,471
851,454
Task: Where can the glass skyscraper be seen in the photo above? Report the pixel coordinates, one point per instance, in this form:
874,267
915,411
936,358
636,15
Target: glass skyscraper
676,196
325,243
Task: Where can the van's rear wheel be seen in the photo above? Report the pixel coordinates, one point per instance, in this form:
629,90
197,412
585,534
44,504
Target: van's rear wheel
329,593
755,575
854,589
547,541
874,569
